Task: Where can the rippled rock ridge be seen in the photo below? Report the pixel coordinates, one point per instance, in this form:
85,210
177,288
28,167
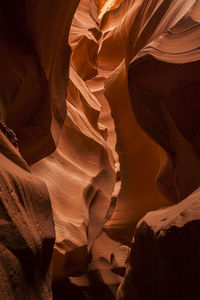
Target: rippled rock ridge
99,149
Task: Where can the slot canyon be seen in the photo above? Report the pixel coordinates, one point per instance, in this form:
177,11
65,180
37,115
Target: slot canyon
99,150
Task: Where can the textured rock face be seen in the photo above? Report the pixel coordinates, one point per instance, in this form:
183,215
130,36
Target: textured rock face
26,229
34,72
139,155
170,106
141,57
155,77
82,180
119,259
106,5
161,63
139,163
80,174
164,260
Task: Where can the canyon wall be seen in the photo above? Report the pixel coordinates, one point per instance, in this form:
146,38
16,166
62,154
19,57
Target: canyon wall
34,74
99,128
57,121
154,73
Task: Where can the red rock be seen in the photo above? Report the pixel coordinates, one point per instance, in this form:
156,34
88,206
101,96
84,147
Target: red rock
134,68
164,260
80,175
119,260
34,72
26,229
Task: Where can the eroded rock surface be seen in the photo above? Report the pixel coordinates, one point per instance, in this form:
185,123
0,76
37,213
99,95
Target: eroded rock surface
119,259
81,173
141,57
161,63
164,259
34,74
155,77
34,71
26,229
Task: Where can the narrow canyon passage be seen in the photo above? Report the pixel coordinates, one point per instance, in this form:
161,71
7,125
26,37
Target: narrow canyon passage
82,175
99,149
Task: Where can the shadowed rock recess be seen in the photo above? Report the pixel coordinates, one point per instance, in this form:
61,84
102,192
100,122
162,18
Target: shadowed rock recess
99,149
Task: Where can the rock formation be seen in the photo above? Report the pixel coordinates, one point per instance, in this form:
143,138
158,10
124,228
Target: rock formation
26,228
31,62
99,139
33,89
159,71
164,260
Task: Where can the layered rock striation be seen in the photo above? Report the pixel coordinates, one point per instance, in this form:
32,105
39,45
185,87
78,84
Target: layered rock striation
34,74
159,67
72,189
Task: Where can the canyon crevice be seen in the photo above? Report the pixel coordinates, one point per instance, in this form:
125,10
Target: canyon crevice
99,139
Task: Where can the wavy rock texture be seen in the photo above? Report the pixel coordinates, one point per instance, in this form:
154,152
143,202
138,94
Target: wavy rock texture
80,181
26,229
81,173
34,74
155,144
141,57
155,64
140,157
139,160
106,5
31,62
83,39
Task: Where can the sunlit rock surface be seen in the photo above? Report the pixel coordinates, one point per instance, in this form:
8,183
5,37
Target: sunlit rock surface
80,175
104,99
81,172
150,68
161,63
